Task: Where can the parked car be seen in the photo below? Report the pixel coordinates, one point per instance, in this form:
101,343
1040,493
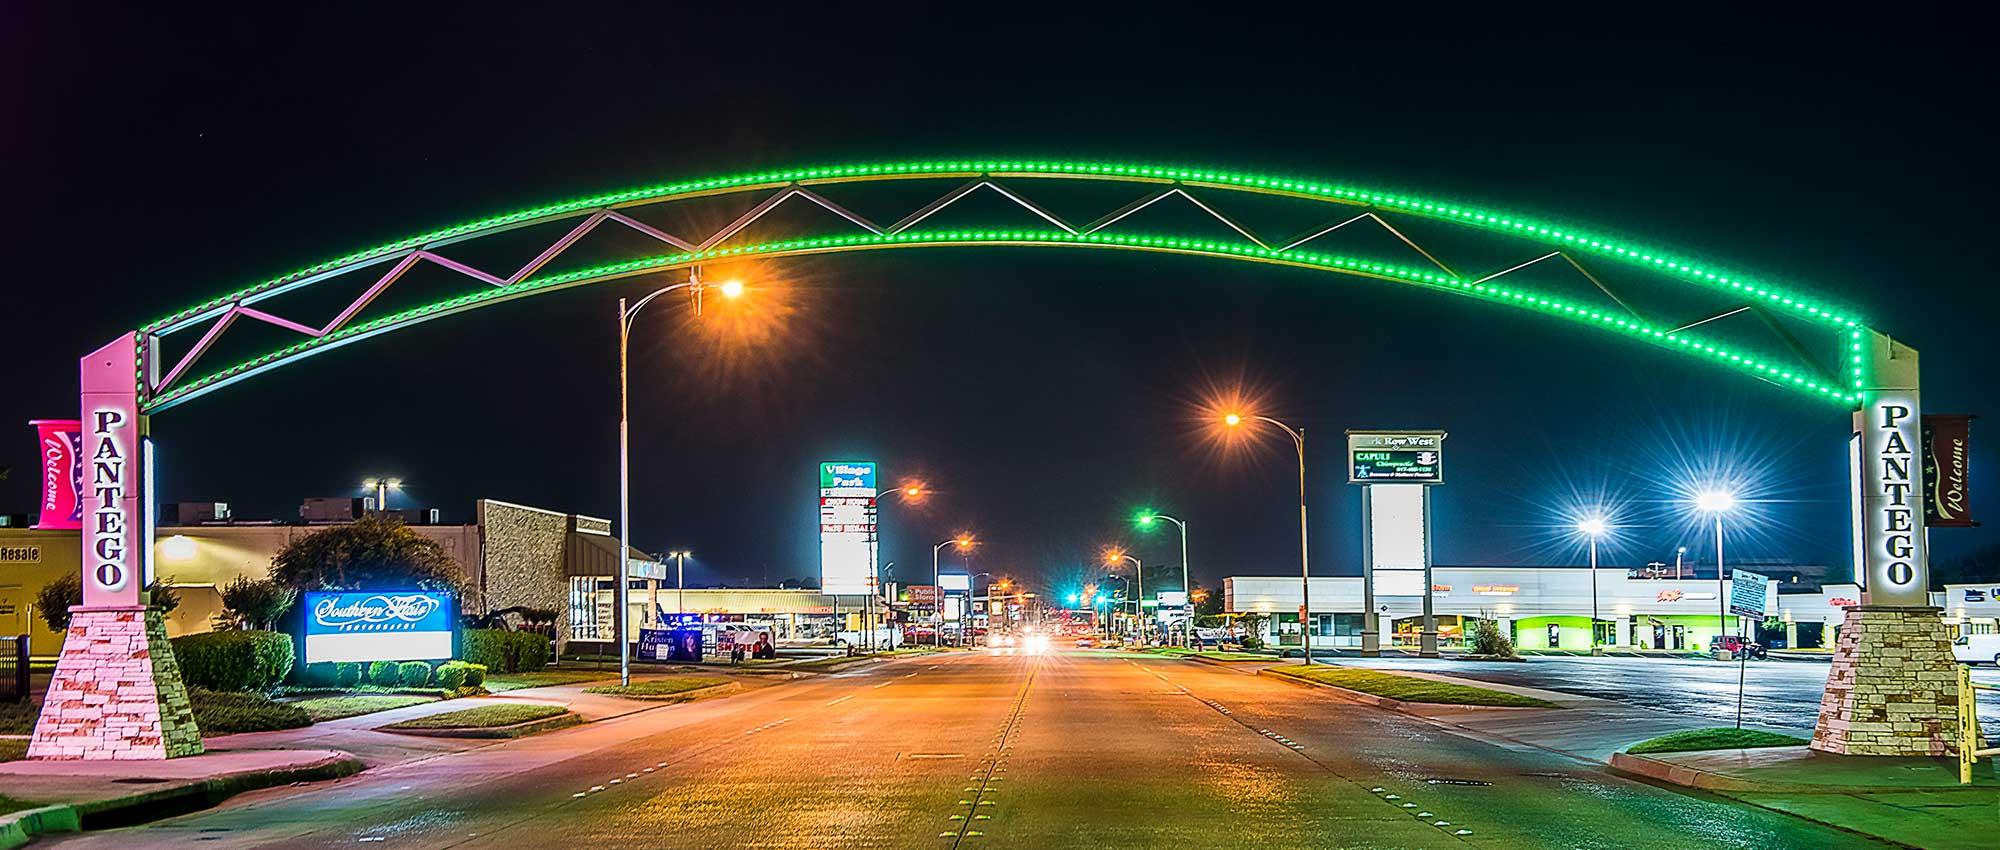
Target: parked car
1739,647
1973,649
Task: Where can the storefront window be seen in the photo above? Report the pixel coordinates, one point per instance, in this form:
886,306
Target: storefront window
583,621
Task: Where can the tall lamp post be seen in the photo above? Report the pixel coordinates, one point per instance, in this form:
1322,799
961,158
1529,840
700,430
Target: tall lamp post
1110,607
1187,626
1115,557
1298,436
626,315
382,486
972,596
1716,503
963,541
1593,528
680,580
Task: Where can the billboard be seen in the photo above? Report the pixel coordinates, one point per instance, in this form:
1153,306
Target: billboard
923,594
1397,538
955,582
59,446
397,625
1395,457
847,515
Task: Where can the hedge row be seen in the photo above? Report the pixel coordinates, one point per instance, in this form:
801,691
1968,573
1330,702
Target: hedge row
451,675
506,651
234,660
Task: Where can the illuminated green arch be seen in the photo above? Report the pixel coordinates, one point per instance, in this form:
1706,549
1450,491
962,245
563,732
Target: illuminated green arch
1755,293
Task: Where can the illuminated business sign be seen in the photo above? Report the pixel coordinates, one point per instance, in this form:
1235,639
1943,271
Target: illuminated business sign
401,625
847,514
1397,516
1496,589
117,539
1892,499
955,583
59,447
1395,457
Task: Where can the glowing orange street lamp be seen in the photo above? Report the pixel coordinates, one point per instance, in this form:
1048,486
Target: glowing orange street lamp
963,541
1298,436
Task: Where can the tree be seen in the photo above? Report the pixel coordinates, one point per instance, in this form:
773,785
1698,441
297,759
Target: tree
1207,600
1487,639
56,598
257,604
371,553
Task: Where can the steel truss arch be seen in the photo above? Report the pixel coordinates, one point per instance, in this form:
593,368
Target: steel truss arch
164,384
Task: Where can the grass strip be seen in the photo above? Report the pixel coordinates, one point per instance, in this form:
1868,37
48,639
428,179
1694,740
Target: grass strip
9,805
231,712
483,717
1408,688
13,749
335,708
503,682
1723,738
672,686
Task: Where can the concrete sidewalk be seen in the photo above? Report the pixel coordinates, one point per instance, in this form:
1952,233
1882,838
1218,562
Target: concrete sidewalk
1916,802
109,793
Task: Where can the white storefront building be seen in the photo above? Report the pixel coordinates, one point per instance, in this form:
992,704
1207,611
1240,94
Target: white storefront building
1540,607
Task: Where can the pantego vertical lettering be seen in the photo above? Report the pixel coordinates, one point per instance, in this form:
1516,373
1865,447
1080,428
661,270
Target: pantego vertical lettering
1895,462
108,482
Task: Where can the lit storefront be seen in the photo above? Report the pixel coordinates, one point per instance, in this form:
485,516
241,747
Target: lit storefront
1541,608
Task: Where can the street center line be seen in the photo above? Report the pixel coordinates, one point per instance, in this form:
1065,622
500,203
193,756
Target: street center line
841,700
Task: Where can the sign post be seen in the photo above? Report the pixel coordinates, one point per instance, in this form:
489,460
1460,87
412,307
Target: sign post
1396,471
1746,600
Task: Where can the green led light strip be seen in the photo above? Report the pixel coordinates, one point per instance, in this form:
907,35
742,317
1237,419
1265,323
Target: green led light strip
1664,262
1521,298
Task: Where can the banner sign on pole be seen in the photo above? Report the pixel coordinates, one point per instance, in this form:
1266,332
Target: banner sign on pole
59,444
356,625
1395,457
847,514
1947,471
1746,593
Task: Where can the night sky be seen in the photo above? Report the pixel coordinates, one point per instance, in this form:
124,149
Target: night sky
157,157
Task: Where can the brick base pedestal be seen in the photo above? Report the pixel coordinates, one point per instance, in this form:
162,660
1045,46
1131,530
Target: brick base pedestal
1893,689
117,691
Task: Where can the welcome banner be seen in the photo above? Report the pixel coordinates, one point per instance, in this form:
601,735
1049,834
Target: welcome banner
59,445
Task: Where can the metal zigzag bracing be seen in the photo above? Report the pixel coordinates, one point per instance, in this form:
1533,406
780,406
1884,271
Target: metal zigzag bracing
1797,365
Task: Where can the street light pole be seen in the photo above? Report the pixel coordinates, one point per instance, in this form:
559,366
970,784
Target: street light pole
1305,569
1187,627
620,593
680,581
1139,601
1593,528
964,541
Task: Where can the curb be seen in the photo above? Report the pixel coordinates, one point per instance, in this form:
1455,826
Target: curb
24,826
1689,777
1347,694
1223,662
546,724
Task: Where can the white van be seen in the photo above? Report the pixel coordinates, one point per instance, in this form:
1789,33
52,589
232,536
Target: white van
1974,649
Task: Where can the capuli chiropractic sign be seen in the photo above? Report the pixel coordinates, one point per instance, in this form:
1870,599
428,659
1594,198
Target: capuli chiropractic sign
401,625
1395,457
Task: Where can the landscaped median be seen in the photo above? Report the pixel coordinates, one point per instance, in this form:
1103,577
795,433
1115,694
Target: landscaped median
1391,689
669,689
499,720
1723,738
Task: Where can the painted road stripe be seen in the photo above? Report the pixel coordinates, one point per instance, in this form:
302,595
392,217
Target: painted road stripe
841,700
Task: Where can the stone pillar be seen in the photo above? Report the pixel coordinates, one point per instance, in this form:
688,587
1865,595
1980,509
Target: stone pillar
117,691
1893,688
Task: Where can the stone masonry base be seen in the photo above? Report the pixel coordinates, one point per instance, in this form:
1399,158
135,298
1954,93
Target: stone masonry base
1893,688
117,691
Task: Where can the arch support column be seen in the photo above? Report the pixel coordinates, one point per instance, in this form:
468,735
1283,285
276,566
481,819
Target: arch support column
1892,689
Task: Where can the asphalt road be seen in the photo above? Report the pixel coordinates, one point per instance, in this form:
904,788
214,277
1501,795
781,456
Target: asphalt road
987,750
1784,694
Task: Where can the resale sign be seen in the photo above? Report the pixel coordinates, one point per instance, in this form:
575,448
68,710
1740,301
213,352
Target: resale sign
1395,457
847,515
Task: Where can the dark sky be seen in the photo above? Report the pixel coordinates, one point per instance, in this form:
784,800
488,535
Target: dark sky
155,157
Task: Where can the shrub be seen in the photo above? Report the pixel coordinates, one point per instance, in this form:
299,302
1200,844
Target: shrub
384,673
1487,639
1252,642
531,651
346,674
375,552
258,604
451,675
504,651
224,713
322,674
234,660
475,675
415,674
53,601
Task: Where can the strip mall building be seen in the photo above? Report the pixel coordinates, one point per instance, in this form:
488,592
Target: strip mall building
1540,607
